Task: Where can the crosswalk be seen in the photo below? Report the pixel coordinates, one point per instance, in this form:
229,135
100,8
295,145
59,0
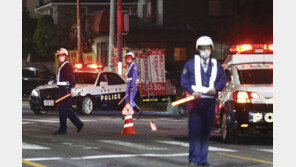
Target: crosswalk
166,145
183,144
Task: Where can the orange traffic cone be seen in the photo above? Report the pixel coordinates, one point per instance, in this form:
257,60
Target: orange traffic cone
128,126
153,126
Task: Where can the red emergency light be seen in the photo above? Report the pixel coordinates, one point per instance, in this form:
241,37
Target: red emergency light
88,67
252,48
78,66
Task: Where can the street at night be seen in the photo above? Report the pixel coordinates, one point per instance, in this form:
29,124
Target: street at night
100,144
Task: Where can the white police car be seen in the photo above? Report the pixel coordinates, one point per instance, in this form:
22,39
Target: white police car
94,88
245,105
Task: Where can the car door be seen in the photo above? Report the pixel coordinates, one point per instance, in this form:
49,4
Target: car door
116,88
29,80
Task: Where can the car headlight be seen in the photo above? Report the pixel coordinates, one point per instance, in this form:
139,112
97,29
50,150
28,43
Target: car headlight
35,93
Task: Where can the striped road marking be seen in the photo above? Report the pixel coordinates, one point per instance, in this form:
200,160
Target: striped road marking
130,155
183,144
43,159
132,145
53,121
265,150
108,156
33,147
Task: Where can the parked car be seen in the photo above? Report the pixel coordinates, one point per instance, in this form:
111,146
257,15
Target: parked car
33,76
245,105
94,88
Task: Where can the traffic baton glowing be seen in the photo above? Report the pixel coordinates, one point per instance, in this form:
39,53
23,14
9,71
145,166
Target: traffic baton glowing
62,98
181,101
122,99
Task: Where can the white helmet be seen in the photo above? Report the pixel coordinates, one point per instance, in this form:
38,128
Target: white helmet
130,54
204,40
62,51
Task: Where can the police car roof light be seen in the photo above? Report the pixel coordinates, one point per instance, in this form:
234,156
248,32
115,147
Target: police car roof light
253,48
93,66
78,66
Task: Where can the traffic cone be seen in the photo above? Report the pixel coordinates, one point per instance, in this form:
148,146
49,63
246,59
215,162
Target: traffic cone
153,126
128,126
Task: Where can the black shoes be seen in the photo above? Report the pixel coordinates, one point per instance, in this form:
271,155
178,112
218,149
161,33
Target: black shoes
79,128
60,132
190,163
204,164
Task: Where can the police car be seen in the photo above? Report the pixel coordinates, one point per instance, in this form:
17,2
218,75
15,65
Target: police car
245,105
94,88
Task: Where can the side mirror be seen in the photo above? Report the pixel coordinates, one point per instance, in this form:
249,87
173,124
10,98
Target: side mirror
103,83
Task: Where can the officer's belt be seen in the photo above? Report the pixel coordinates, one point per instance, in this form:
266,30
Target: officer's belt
63,83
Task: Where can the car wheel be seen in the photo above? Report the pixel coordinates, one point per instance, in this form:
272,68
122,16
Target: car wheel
40,112
87,106
227,135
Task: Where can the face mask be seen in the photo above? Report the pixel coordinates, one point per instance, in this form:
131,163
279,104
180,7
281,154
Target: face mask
205,53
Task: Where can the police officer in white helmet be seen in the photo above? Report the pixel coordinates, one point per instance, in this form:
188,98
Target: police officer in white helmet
202,77
66,81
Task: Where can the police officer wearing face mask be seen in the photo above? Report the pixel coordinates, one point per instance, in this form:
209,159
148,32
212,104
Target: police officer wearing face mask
202,77
65,81
132,83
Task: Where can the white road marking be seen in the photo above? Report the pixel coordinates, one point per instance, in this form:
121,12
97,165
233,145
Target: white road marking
132,145
265,150
130,155
33,147
27,122
53,121
78,145
43,159
184,144
108,156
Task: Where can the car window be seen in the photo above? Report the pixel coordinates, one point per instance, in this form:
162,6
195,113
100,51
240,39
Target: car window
228,75
103,78
256,76
85,78
114,79
43,74
28,73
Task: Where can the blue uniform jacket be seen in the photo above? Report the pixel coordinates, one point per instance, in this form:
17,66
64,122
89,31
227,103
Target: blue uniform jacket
188,76
133,74
66,75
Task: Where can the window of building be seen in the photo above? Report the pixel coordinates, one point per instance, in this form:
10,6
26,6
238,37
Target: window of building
179,54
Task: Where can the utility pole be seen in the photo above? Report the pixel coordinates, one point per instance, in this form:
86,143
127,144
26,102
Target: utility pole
111,33
119,35
80,60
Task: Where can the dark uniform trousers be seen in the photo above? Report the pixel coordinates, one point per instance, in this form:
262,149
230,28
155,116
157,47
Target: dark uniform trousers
66,111
201,117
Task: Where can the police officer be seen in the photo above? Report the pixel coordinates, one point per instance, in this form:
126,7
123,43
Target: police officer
202,77
131,77
65,81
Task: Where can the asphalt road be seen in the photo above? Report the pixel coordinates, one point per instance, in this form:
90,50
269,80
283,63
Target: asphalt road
100,144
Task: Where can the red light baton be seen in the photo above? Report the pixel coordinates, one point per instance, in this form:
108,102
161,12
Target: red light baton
181,101
62,98
122,99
